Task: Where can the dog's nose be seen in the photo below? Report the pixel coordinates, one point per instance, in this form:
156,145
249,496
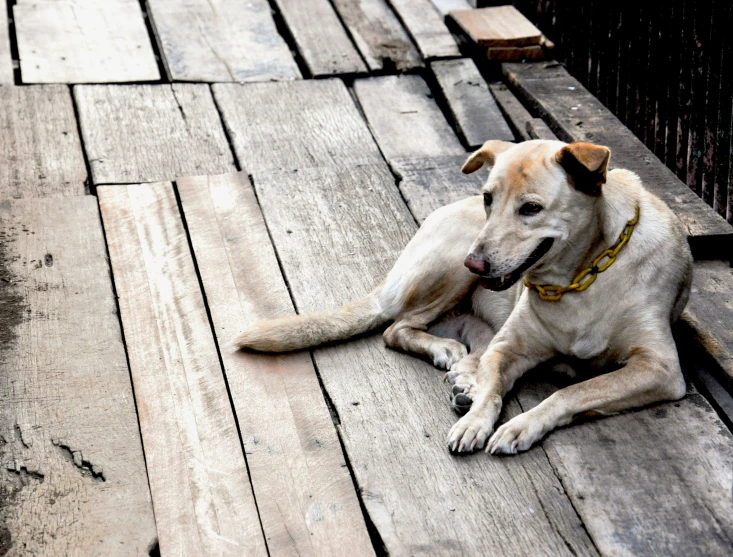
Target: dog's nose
476,264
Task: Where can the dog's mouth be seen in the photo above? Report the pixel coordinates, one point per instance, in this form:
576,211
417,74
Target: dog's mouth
502,283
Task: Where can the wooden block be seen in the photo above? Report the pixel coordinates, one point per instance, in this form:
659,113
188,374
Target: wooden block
404,118
321,39
537,129
473,109
430,183
576,115
40,150
379,35
300,124
425,25
337,232
305,494
64,41
223,41
144,133
518,118
72,474
198,476
513,54
497,26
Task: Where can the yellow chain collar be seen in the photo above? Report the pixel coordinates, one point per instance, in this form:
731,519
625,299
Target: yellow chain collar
586,277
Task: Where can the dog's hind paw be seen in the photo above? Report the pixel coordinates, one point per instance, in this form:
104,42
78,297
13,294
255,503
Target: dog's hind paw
447,353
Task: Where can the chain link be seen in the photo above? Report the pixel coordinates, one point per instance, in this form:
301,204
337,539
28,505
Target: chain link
586,277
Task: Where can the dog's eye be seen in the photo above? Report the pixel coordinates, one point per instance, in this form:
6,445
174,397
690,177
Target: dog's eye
529,209
488,199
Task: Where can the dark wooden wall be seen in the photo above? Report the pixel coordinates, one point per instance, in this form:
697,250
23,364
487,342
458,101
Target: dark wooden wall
665,70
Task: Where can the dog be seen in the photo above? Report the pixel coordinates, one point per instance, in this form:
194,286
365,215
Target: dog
558,256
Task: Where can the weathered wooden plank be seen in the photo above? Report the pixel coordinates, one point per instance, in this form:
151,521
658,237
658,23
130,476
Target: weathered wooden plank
320,38
425,25
497,26
514,54
221,41
305,493
337,232
72,474
471,105
144,133
66,41
7,76
651,482
576,115
344,202
198,476
308,124
445,6
404,118
537,129
514,112
378,34
431,182
40,151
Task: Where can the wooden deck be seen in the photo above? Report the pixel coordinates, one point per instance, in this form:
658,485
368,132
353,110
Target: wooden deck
173,172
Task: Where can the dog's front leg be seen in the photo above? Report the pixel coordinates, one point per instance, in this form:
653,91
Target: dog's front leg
649,376
503,363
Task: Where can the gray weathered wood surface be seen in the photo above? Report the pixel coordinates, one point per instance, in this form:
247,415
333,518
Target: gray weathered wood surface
7,76
517,117
472,107
221,41
425,25
72,474
40,151
445,6
145,133
305,123
404,118
538,129
576,115
338,223
321,39
201,491
379,35
305,494
82,41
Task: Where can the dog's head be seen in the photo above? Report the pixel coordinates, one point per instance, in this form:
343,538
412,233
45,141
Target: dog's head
538,196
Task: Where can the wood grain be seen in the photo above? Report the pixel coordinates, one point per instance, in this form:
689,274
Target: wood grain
144,133
379,35
300,124
538,129
425,25
575,115
404,118
514,112
497,26
40,151
473,109
72,474
64,41
338,223
305,493
221,41
198,476
337,232
321,39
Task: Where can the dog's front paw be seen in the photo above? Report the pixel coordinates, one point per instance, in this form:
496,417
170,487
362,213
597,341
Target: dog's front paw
447,353
469,433
463,385
518,434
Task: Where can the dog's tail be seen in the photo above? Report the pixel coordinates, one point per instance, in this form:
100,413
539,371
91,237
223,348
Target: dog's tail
296,332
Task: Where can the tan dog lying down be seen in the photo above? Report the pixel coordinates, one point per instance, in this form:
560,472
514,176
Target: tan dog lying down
553,213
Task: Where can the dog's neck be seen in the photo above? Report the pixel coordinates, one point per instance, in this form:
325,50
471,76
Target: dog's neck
610,213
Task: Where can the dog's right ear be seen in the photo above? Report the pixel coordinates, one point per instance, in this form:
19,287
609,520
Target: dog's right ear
486,155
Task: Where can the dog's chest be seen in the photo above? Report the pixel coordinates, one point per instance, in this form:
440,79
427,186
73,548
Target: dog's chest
579,333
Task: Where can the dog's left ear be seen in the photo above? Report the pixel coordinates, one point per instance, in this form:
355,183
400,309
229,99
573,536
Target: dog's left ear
586,165
486,155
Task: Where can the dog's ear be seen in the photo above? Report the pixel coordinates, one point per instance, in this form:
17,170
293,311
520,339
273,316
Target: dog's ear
486,155
586,165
